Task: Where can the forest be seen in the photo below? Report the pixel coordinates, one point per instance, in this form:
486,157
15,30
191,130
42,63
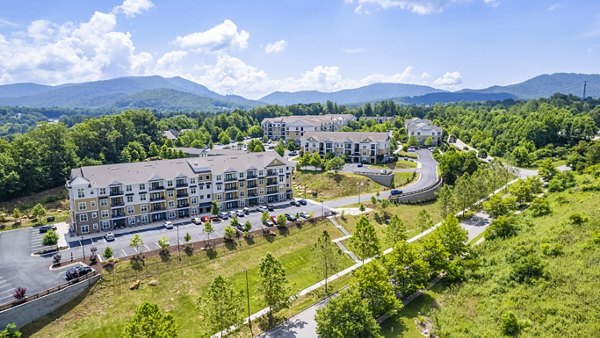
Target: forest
519,131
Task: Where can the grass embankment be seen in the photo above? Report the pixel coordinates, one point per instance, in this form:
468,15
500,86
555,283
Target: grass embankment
563,302
407,213
328,185
110,304
400,164
408,154
403,178
54,201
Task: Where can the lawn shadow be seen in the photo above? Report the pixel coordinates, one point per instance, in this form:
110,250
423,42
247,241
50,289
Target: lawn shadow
231,245
283,231
137,264
268,237
189,250
165,256
211,253
249,240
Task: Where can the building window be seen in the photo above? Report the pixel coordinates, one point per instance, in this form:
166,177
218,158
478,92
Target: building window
208,196
131,220
83,218
144,208
241,175
142,197
130,199
94,215
280,179
128,187
241,184
207,177
194,200
219,186
95,226
218,177
218,197
171,204
261,181
170,183
102,191
93,204
80,193
192,180
201,186
105,225
145,218
103,202
171,214
142,186
192,190
194,211
130,209
82,206
104,213
281,170
207,185
261,191
170,193
260,173
85,229
242,194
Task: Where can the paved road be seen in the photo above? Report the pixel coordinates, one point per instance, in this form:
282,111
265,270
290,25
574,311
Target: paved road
428,176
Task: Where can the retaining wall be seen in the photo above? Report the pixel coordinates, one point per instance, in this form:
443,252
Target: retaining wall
423,195
385,179
33,309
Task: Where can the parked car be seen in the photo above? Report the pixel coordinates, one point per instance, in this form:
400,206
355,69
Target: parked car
78,271
359,164
302,201
270,207
247,211
293,153
295,203
269,223
274,219
261,208
304,214
240,213
394,192
46,228
109,237
430,148
290,217
196,220
205,219
168,224
223,215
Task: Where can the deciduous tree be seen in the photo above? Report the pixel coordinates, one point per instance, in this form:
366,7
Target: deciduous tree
273,285
372,283
150,321
222,307
327,257
364,241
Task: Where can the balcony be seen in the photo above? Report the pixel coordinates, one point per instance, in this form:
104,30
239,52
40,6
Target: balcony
117,204
157,187
230,187
251,176
116,192
252,194
157,198
182,194
272,173
272,191
230,197
252,185
271,182
157,208
181,184
118,214
183,205
230,178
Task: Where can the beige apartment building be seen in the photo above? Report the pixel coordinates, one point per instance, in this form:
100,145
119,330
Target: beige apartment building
294,127
422,129
113,196
365,147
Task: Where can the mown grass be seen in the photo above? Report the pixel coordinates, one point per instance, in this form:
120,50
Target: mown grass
110,304
328,185
400,164
407,213
565,302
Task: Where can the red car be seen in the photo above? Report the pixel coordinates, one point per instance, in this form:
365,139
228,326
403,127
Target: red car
205,219
274,219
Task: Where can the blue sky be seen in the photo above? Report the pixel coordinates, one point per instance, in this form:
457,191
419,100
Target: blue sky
252,48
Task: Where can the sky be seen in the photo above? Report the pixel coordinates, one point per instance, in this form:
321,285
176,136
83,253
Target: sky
254,47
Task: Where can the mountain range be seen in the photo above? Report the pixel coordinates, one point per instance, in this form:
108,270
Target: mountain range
178,94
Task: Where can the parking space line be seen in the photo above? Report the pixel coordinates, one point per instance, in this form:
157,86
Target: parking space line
124,253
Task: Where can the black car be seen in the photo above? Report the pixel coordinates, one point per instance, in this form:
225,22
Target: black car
46,228
394,192
78,271
295,203
290,217
302,202
270,207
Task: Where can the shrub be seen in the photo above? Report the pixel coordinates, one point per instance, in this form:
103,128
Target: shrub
510,324
540,207
551,249
56,259
108,252
19,293
577,219
528,268
502,227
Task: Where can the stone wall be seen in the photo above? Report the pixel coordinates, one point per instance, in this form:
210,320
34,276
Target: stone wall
423,195
33,309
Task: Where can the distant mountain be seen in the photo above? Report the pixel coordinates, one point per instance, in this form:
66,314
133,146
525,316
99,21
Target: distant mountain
546,85
114,92
451,97
22,89
373,92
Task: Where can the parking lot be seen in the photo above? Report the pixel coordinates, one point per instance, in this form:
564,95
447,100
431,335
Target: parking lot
151,234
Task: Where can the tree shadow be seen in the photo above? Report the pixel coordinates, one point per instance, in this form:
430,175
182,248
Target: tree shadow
249,239
189,250
137,263
231,245
165,256
211,253
283,231
268,237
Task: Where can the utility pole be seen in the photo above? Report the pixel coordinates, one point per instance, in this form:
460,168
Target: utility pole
584,87
248,298
82,248
178,250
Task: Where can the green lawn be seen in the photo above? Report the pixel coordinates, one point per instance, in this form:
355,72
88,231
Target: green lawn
407,154
404,178
407,213
108,305
329,185
400,164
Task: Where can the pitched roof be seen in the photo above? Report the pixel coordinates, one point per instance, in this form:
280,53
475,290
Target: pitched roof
351,136
140,172
315,120
417,123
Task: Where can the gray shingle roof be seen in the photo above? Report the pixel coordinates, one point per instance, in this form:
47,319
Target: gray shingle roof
140,172
353,136
310,119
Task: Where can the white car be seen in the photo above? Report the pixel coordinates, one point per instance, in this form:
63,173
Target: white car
168,224
109,237
261,208
240,213
196,220
304,214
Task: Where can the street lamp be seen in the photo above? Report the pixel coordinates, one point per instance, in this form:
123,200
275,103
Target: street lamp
82,247
248,298
178,251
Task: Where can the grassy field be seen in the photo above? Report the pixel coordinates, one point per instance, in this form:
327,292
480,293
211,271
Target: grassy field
407,213
400,164
110,303
330,185
54,201
563,302
404,178
407,154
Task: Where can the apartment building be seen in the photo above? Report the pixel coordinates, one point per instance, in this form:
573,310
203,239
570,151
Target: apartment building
112,196
365,147
294,127
422,129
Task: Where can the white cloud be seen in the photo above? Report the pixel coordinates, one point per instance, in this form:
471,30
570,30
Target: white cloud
8,23
133,7
219,38
50,53
492,3
421,7
449,81
276,47
425,76
169,64
555,6
353,50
